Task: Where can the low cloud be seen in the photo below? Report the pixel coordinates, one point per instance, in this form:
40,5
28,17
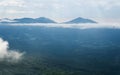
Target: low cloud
8,55
76,26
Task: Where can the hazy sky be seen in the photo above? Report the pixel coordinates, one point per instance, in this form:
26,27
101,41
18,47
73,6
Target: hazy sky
61,9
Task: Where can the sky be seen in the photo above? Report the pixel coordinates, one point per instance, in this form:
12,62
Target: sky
62,10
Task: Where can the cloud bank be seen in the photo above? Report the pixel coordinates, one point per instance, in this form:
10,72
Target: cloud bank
76,26
8,55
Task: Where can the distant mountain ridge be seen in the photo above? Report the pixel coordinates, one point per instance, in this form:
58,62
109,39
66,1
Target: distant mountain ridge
36,20
6,20
45,20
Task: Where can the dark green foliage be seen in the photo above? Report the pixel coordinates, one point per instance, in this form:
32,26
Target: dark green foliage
30,66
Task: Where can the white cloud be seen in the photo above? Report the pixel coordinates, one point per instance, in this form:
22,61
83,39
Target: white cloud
14,11
8,55
76,26
18,3
58,6
18,11
100,3
108,4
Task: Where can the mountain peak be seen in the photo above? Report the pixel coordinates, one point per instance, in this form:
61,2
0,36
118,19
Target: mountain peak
44,20
81,20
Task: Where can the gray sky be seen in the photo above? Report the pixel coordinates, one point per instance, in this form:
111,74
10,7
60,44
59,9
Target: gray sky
59,10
